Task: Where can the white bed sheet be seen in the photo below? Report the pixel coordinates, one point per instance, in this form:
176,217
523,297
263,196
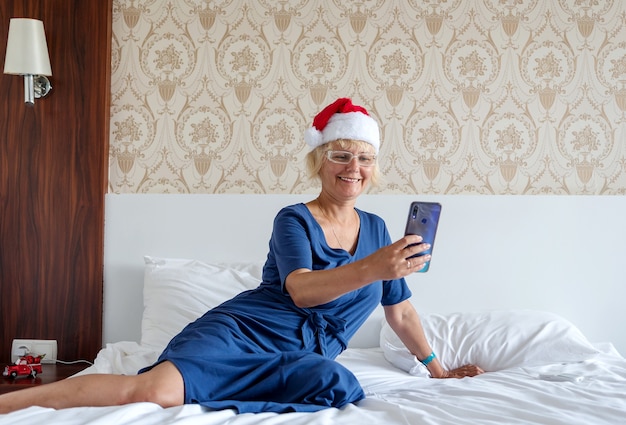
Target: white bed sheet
512,396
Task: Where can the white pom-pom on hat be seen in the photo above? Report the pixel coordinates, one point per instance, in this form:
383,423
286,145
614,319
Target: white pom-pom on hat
342,120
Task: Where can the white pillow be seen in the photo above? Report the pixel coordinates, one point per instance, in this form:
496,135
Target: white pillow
178,291
493,340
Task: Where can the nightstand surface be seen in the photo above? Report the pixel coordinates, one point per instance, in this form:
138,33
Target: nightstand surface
51,373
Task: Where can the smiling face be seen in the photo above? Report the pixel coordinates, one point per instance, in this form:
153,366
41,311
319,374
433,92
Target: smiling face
343,181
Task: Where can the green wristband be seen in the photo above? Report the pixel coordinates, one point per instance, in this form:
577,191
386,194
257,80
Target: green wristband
428,359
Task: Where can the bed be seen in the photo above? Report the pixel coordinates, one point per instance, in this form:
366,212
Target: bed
168,258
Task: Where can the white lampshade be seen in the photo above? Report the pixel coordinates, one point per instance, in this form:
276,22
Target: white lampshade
27,50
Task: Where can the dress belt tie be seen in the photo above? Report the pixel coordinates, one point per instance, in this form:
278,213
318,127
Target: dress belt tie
318,325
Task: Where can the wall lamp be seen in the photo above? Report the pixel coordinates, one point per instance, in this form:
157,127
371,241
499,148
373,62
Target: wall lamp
27,55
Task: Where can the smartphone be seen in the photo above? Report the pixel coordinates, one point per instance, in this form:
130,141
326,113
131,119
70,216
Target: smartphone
423,220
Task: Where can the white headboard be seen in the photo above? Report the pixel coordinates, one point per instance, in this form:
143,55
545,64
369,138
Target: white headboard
563,254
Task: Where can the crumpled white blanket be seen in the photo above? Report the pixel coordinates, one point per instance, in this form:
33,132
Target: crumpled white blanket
517,396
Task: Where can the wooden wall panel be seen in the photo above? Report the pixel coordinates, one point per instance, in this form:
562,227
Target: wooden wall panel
53,171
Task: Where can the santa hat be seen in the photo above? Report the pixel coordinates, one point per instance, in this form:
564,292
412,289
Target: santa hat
342,120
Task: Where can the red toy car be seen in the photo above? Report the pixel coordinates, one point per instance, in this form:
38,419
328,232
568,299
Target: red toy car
27,365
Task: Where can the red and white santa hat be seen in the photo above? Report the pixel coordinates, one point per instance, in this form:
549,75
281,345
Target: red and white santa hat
342,120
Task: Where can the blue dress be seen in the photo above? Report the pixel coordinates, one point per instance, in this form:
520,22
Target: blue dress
259,352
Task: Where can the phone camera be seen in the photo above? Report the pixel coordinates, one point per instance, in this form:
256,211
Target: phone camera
414,213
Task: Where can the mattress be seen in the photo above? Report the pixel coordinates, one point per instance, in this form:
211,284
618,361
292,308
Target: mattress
540,368
589,391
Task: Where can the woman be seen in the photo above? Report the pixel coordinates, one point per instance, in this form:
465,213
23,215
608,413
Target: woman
273,348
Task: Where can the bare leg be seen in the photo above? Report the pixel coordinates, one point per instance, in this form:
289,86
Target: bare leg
162,385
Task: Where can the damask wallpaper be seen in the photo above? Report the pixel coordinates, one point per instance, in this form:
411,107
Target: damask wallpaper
473,96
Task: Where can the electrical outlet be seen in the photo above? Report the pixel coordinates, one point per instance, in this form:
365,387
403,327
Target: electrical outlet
48,347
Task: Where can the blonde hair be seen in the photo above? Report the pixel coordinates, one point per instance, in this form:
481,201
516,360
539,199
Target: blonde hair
315,158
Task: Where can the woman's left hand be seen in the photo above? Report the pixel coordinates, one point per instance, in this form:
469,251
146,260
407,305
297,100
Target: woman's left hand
461,372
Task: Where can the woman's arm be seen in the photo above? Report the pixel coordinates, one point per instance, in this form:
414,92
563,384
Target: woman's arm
405,322
310,288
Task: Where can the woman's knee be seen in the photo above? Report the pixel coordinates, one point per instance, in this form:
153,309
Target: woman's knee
163,385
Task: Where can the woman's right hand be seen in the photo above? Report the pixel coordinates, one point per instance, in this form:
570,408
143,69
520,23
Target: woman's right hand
393,261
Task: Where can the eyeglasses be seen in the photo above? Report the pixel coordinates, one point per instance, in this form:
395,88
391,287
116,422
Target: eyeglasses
344,157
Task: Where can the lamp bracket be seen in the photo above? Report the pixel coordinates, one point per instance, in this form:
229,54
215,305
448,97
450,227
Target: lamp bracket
41,85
